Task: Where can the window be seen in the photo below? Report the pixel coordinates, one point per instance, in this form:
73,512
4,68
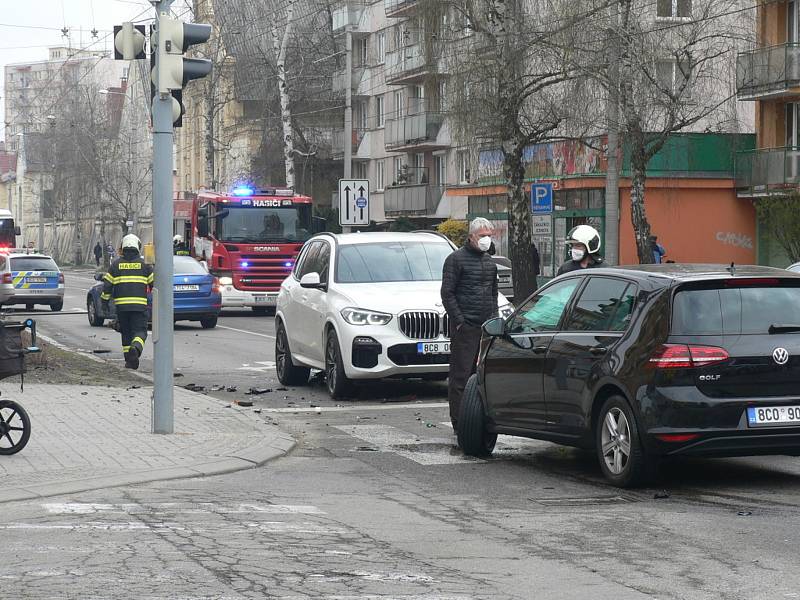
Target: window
439,170
323,261
463,166
391,261
398,104
380,111
791,22
397,169
380,41
604,305
669,9
441,101
419,168
672,75
359,170
307,261
33,263
361,52
380,175
360,115
543,311
793,124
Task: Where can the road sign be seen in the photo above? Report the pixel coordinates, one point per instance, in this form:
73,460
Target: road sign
353,202
542,197
543,225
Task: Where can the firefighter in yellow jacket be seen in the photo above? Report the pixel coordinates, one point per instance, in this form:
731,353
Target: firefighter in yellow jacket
126,282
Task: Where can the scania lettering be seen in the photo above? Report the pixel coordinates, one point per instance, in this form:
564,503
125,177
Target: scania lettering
250,239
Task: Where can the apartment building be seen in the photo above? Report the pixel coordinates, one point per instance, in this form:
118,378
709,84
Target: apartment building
768,76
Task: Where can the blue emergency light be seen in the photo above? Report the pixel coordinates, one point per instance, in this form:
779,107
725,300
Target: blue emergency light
242,190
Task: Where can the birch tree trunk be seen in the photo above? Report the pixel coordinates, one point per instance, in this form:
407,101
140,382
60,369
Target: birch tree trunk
519,224
283,90
641,226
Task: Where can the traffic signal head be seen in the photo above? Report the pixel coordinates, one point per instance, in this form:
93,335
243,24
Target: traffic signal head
174,38
128,41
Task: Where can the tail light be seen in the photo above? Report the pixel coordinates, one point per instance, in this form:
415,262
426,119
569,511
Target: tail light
215,286
7,278
682,356
60,278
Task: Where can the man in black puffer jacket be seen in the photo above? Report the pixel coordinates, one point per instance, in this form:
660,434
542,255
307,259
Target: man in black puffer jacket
469,295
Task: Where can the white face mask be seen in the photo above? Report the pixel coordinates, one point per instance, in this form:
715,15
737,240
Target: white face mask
484,243
577,254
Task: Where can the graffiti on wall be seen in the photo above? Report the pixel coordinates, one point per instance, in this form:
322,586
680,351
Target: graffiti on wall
739,240
553,159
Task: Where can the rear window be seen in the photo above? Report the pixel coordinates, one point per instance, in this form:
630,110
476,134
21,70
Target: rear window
33,263
734,310
188,266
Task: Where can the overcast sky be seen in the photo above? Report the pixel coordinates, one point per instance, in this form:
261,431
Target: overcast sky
29,27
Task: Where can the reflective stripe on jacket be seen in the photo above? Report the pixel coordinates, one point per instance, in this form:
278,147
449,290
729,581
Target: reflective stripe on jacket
126,282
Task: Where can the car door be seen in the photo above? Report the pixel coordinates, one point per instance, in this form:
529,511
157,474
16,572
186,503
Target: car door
595,323
514,365
294,313
314,308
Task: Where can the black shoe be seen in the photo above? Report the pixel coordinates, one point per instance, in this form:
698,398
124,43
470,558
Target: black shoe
131,359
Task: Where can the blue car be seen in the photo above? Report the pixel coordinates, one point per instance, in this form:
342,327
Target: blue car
197,295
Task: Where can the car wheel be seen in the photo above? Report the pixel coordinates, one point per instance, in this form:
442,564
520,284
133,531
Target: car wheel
95,320
619,449
473,435
208,322
288,372
339,385
29,307
57,306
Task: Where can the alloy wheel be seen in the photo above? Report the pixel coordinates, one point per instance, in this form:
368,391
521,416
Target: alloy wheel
280,352
615,438
331,355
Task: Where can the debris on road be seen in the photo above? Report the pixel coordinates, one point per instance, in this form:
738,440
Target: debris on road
244,402
101,351
256,391
661,495
231,388
193,387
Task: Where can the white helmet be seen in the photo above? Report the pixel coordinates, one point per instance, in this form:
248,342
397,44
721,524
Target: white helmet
131,241
586,235
178,239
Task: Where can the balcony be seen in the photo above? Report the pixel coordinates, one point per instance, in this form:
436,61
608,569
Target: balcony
418,132
412,200
400,8
768,72
772,170
408,65
339,80
346,16
337,142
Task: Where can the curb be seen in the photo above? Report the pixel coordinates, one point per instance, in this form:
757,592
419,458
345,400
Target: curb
249,458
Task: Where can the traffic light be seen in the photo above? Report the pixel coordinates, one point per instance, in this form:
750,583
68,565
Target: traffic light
128,41
177,95
174,38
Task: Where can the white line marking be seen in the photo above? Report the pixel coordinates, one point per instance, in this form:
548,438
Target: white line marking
268,526
272,337
431,451
357,407
87,508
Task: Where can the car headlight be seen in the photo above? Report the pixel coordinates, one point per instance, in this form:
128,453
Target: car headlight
506,310
359,316
225,281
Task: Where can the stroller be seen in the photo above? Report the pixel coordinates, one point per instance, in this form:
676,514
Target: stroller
15,425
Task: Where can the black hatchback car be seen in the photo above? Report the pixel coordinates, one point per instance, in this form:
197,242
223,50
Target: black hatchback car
644,362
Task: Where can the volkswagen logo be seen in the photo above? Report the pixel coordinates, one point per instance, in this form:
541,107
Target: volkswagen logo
780,356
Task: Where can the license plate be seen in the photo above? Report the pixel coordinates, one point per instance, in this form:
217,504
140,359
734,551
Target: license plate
187,288
271,300
36,279
773,415
433,347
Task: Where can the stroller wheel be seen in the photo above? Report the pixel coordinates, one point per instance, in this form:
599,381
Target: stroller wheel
15,427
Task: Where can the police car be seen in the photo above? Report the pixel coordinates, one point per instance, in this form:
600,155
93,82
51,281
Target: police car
30,278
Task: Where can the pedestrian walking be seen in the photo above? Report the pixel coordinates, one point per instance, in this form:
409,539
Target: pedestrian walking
584,249
98,253
126,282
658,250
536,260
469,295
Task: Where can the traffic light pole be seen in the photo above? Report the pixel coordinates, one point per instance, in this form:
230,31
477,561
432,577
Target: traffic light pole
163,325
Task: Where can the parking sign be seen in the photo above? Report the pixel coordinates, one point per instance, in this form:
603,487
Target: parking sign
542,198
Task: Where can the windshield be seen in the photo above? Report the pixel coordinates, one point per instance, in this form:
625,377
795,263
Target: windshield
391,261
735,311
257,225
33,263
187,266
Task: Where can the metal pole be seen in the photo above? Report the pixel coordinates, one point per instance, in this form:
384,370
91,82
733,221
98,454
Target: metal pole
611,253
348,106
162,410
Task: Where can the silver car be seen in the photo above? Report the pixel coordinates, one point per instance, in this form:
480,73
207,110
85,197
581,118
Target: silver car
795,267
30,278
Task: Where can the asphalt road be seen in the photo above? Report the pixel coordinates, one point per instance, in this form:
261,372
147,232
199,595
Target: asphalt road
375,502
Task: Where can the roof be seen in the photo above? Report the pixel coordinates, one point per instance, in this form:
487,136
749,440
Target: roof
697,271
376,237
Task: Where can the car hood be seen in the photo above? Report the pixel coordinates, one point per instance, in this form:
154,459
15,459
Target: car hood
396,297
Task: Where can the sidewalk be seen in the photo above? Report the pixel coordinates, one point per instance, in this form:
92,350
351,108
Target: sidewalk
85,438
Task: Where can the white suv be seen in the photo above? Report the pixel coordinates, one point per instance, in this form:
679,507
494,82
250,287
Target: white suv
365,306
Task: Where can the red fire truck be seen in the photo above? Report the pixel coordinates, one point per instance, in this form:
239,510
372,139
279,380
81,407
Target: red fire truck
250,239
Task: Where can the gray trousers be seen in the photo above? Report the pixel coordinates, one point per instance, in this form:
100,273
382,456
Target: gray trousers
464,346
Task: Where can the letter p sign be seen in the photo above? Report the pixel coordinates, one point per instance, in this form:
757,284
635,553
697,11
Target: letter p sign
542,198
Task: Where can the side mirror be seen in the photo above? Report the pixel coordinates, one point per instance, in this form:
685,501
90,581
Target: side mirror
202,227
98,277
17,230
495,327
311,281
